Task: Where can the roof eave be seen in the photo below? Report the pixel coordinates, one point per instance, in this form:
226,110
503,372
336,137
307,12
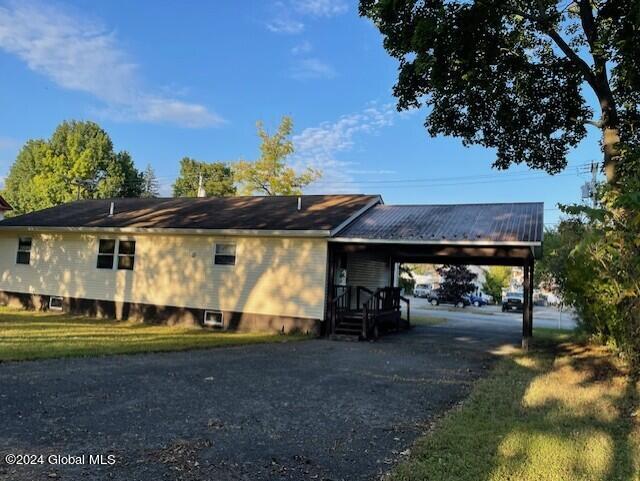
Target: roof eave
360,240
174,231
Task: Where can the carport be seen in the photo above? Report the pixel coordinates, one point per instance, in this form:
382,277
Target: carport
369,250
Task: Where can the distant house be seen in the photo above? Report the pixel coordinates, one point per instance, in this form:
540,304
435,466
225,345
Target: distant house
4,207
281,263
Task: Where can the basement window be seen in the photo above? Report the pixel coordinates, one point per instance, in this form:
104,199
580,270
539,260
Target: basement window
126,254
213,318
225,254
106,253
24,250
55,303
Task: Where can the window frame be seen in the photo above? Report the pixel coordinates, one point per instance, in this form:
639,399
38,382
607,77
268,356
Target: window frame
56,308
116,254
213,324
225,256
22,250
129,255
106,254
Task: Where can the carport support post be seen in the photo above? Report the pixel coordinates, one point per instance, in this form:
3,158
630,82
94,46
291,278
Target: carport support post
531,271
526,313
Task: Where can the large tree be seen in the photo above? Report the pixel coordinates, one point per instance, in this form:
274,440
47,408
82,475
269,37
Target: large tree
77,162
514,75
270,174
150,184
496,280
217,179
456,281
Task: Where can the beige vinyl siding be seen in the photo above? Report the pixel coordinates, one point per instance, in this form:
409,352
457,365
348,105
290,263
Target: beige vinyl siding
272,275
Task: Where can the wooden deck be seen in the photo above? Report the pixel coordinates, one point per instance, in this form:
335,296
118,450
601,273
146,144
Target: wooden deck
365,314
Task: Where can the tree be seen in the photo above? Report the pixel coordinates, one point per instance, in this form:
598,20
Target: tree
496,279
150,184
78,161
457,281
406,280
270,174
514,74
217,179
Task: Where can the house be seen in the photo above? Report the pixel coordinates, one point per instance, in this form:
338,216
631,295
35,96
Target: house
4,207
316,263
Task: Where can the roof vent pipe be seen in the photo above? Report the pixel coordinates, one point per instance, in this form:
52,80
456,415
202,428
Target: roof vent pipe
111,208
299,203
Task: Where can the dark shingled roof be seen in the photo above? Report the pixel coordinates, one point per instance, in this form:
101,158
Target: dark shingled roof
521,222
318,212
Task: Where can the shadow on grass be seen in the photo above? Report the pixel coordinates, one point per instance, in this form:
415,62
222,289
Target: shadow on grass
26,335
560,412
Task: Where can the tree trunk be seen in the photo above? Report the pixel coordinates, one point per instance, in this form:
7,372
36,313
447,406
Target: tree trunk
610,140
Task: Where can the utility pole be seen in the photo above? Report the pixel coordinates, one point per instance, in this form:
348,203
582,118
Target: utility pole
594,180
589,188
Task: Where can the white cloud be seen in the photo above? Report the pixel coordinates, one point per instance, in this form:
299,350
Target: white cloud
312,68
302,48
287,15
324,147
78,54
285,24
321,8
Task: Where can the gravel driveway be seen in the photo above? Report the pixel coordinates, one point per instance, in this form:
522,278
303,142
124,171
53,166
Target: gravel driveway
310,410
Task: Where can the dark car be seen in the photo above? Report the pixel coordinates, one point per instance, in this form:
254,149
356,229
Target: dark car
513,302
436,298
477,301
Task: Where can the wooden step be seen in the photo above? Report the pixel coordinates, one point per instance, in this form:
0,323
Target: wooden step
351,331
344,337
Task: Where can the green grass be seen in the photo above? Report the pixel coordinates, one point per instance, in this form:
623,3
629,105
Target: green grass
427,320
564,411
35,335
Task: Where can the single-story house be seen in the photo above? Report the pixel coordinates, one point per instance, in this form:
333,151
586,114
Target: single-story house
282,263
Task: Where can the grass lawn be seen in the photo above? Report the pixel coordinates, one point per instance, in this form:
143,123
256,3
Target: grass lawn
36,335
565,411
427,320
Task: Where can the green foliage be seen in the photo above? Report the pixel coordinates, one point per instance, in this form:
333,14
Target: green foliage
217,178
406,280
512,75
496,279
457,281
596,263
150,184
270,174
46,172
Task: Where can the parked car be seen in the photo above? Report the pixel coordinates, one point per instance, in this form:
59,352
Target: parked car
477,301
436,299
513,301
421,290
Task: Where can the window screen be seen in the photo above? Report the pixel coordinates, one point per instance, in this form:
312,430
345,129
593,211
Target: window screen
225,254
126,254
24,250
106,253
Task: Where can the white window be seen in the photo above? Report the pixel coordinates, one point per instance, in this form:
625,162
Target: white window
225,254
126,254
213,318
24,250
55,303
107,254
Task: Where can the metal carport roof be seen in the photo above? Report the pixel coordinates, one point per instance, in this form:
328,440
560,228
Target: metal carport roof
508,224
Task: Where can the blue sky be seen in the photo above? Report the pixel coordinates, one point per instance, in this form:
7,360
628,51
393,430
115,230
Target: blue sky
173,79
